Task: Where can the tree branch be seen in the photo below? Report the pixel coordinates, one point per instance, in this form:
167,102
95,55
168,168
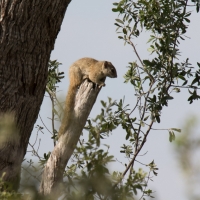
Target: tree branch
55,166
138,150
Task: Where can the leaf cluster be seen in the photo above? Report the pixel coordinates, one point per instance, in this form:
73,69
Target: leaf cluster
54,76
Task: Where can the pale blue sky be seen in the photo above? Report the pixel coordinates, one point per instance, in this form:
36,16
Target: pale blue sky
88,30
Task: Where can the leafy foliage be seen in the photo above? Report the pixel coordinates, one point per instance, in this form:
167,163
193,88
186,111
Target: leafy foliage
54,76
154,80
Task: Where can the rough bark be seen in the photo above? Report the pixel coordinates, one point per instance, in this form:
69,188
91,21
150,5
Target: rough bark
28,30
55,166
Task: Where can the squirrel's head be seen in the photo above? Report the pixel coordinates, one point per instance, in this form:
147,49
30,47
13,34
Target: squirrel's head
109,70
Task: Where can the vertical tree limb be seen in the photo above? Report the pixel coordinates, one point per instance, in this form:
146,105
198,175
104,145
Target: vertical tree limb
55,166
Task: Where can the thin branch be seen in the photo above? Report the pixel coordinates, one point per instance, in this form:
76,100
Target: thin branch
135,50
35,177
173,56
45,125
34,151
131,43
144,110
135,106
38,145
138,150
148,178
136,154
52,120
53,95
141,163
162,129
188,87
35,139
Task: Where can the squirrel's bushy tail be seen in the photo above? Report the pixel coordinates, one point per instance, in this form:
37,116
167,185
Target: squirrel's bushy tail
68,110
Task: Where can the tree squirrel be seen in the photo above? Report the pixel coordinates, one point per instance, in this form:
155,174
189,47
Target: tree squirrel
84,68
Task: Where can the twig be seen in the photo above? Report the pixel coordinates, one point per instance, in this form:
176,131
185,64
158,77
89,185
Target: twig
138,150
188,87
34,151
148,178
140,163
173,56
144,110
35,139
45,125
52,121
31,174
135,106
38,145
131,43
53,95
136,154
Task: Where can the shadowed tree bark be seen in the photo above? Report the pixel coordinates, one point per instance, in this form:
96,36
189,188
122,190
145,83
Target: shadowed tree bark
28,30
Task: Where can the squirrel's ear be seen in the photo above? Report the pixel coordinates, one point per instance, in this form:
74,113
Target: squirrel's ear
105,64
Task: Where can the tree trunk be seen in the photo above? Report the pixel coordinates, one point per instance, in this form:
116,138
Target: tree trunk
28,30
53,171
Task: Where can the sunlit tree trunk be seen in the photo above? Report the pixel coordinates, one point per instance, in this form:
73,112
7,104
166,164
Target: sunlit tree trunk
28,30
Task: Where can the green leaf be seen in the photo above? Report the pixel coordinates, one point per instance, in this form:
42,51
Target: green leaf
176,129
115,4
171,136
124,31
187,20
188,14
181,77
103,103
116,24
194,81
177,90
128,134
133,119
120,21
115,9
146,118
147,62
169,97
184,83
158,119
197,7
151,50
142,123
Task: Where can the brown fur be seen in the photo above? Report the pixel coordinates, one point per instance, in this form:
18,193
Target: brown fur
84,68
